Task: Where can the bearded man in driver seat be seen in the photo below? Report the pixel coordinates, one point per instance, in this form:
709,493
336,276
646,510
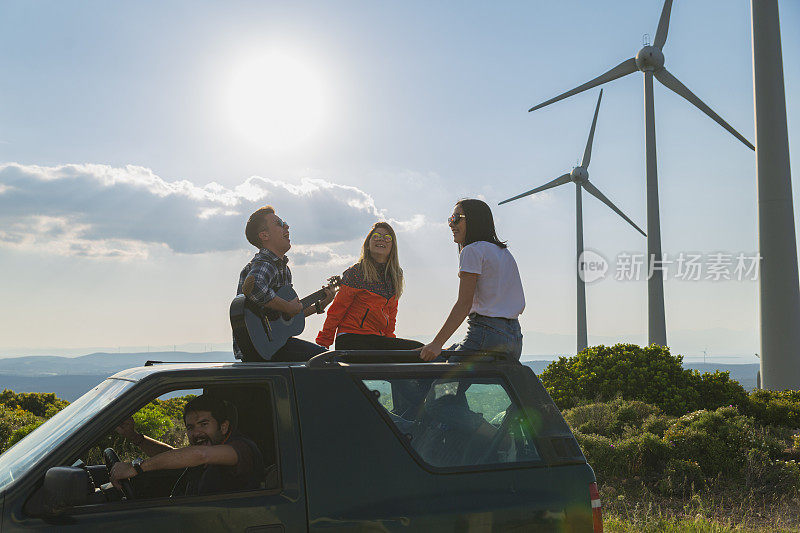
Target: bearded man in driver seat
217,460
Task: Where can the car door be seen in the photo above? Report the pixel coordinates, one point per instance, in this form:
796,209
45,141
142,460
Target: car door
276,506
424,447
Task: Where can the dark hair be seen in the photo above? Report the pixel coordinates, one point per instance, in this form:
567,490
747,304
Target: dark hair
256,224
220,410
480,223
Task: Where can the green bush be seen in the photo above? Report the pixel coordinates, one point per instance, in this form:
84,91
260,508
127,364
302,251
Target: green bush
12,420
153,421
657,424
762,473
726,442
631,440
717,389
601,373
19,433
601,453
174,406
44,404
780,408
681,478
642,455
650,374
616,418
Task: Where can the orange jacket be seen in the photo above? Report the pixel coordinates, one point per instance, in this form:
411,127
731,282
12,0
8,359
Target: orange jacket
358,311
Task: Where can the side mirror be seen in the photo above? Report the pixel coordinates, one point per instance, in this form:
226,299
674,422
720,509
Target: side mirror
64,487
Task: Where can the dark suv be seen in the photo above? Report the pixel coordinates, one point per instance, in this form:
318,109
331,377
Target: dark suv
352,441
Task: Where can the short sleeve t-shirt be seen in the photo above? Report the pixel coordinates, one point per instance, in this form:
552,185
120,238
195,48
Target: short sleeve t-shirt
218,479
499,290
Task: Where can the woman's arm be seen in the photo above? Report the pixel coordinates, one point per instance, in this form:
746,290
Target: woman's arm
391,319
466,293
338,309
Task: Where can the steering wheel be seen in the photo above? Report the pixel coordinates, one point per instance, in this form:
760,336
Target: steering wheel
111,458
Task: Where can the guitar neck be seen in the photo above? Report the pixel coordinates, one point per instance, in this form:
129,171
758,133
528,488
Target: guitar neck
311,298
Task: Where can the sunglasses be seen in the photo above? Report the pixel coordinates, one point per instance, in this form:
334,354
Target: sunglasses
453,219
280,223
387,237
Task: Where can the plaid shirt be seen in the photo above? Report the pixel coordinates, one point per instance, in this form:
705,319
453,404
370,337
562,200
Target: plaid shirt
260,278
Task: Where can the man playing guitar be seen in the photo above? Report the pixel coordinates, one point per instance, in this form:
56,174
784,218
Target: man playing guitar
267,272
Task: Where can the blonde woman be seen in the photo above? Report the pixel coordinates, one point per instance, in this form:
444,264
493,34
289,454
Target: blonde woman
363,313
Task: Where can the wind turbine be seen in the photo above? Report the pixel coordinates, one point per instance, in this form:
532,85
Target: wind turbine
779,293
650,60
580,175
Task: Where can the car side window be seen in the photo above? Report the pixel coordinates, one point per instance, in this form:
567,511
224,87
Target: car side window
456,421
159,427
160,419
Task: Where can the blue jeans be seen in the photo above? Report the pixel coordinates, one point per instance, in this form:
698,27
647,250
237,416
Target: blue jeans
492,334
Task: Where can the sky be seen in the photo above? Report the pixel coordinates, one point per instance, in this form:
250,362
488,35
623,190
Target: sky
136,138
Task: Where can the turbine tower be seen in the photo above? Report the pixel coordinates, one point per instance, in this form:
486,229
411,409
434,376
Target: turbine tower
580,175
650,60
779,294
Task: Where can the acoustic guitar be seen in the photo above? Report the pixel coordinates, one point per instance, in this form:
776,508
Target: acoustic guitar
260,332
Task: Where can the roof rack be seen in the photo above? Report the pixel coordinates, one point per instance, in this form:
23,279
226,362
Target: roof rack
401,356
153,363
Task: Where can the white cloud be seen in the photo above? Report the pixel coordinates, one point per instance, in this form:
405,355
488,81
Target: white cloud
102,211
413,224
58,236
320,255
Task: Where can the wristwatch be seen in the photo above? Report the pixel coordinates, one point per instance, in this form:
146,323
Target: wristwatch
137,464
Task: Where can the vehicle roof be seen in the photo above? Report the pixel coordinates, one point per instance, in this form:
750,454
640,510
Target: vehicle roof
138,373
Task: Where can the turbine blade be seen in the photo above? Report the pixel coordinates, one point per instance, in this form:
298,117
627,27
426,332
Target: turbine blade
663,25
561,180
591,189
587,154
623,69
672,83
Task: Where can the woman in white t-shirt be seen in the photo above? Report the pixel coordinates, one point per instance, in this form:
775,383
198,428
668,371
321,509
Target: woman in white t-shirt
490,292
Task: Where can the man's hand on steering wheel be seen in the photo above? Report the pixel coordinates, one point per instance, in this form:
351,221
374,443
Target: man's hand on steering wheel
121,471
121,481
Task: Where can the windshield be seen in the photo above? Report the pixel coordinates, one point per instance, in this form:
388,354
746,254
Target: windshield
26,453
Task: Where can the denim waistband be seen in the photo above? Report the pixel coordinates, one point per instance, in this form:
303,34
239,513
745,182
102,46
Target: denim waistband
476,315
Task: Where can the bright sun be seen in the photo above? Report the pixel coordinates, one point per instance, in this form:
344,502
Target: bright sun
275,101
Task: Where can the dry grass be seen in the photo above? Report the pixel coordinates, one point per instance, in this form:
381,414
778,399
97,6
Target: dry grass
630,506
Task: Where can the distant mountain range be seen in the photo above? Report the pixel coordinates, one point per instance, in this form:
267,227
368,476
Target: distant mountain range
70,377
98,363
